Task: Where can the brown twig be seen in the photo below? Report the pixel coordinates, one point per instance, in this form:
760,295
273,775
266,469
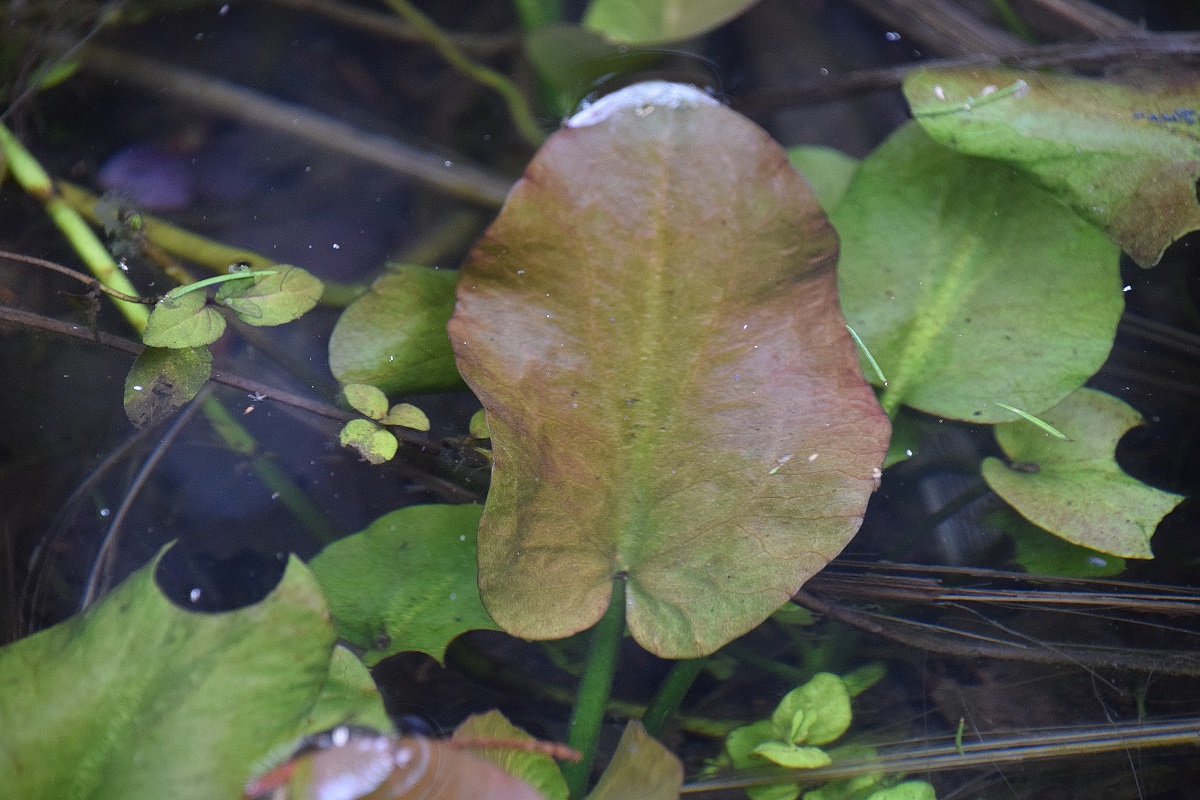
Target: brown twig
1078,54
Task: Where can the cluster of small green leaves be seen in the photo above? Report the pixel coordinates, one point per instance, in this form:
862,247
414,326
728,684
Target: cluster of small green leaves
807,718
176,361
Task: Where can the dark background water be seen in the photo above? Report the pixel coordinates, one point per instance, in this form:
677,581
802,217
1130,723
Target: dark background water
303,203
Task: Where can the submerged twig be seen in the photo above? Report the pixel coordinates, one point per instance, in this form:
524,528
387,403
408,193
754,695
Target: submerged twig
226,99
1033,746
100,577
518,107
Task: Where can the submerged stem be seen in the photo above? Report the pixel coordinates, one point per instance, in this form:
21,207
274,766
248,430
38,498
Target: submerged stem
594,689
671,693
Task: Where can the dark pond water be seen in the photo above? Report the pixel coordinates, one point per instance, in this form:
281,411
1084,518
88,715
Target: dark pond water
80,507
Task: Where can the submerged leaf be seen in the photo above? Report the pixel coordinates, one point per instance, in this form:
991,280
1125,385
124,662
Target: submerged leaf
970,285
137,697
272,299
641,769
407,582
1075,489
394,336
162,379
1127,158
828,171
659,21
185,321
652,326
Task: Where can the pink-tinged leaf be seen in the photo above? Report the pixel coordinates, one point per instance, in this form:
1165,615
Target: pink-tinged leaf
652,326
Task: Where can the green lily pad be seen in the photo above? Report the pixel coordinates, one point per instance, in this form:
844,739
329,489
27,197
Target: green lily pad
970,285
1125,157
185,321
659,21
407,582
536,769
570,60
1075,489
266,300
652,326
138,697
162,379
372,443
394,336
641,769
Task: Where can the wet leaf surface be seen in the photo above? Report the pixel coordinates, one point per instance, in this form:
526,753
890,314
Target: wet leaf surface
406,415
407,582
1126,158
185,321
652,326
163,379
372,443
137,698
970,285
366,400
272,299
394,336
1076,489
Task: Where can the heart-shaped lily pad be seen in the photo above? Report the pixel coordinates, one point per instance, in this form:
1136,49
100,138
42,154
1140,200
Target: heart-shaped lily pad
652,325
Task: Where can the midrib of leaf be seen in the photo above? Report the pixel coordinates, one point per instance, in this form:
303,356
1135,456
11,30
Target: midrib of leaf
647,383
946,296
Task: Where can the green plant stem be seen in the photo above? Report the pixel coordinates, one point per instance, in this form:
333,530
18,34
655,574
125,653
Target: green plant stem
273,478
594,689
212,255
523,118
34,180
671,693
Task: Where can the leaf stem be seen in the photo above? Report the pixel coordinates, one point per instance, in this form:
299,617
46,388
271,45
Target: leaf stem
180,291
594,689
671,693
523,118
34,180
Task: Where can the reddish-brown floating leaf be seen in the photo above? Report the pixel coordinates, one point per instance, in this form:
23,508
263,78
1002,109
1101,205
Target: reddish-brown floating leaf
652,326
361,767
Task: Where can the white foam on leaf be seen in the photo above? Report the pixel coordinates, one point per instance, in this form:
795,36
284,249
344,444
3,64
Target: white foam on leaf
643,97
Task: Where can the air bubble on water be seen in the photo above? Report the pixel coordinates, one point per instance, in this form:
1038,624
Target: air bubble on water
135,388
892,36
194,595
462,538
104,512
1126,288
1097,561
